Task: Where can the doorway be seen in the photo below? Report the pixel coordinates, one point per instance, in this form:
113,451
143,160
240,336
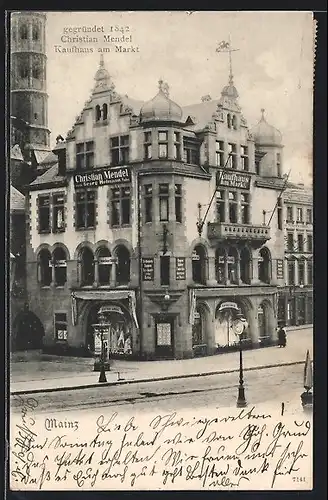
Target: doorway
164,338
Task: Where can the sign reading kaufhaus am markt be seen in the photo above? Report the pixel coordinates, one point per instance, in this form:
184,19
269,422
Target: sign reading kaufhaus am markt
233,180
102,176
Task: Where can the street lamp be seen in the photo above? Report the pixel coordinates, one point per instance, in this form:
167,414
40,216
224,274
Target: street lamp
239,327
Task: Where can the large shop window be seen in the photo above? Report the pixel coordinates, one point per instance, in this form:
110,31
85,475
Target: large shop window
104,266
44,213
163,144
220,154
121,206
245,265
45,267
85,155
190,151
233,265
220,206
165,269
220,265
309,272
148,197
264,266
58,213
123,265
244,198
233,207
147,145
60,323
198,260
87,267
178,202
164,202
119,150
291,272
85,209
60,264
301,272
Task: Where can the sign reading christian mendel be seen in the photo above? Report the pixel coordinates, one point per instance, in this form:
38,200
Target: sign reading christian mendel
233,180
102,176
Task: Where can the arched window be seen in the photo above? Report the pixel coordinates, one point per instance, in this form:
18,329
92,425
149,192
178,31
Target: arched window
104,266
264,265
233,265
123,266
198,259
23,32
60,264
105,111
87,267
234,122
35,32
220,265
229,120
198,328
245,265
98,113
45,267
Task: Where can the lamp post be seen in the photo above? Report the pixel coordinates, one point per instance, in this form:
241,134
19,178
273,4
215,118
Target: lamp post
239,327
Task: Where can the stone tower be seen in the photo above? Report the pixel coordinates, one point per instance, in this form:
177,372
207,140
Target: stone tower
28,83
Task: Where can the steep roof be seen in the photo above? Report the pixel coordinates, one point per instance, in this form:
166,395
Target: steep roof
298,193
50,175
202,112
17,200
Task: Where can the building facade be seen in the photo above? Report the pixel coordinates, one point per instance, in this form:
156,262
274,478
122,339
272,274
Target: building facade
296,297
159,222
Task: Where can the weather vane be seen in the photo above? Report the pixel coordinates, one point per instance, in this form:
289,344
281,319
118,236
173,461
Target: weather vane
226,47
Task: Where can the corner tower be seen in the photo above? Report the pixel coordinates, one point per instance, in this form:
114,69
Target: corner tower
29,99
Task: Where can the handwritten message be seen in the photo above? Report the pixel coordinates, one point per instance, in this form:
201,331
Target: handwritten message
221,449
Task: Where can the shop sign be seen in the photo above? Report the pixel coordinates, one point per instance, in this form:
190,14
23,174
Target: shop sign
111,309
148,269
195,256
228,305
102,176
60,263
230,259
107,260
180,268
233,180
62,334
163,334
280,269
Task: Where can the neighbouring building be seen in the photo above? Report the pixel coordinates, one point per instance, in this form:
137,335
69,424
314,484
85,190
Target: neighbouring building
296,297
160,223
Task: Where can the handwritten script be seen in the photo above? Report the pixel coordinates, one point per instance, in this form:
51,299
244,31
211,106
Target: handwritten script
239,449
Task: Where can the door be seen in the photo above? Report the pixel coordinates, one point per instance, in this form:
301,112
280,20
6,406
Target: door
164,338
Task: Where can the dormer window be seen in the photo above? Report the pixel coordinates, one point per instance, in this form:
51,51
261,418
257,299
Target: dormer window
162,144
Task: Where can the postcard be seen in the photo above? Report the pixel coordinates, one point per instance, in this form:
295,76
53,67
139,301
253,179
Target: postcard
161,250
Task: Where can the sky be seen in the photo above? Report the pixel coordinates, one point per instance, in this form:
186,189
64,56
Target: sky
273,68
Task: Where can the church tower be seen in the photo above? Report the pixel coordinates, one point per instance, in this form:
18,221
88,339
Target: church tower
29,99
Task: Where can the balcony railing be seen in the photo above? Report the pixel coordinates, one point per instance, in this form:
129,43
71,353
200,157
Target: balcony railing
230,231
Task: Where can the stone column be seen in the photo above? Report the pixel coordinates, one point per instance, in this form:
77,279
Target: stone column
112,279
96,274
211,277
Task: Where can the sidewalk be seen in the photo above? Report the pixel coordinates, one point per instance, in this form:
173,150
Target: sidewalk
76,373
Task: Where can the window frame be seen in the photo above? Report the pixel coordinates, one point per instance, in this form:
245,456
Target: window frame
42,230
164,198
121,149
120,200
165,264
148,197
85,203
191,151
178,202
86,155
244,158
219,154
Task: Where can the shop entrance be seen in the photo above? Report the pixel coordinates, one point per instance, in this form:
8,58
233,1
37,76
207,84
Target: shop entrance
164,338
225,315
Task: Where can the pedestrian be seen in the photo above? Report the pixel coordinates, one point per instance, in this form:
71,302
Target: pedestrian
282,340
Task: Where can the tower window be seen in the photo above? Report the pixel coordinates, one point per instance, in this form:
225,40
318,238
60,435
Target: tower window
278,164
23,32
244,158
24,71
35,33
147,145
105,111
229,121
162,144
164,202
219,153
36,72
234,122
98,113
178,203
177,146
